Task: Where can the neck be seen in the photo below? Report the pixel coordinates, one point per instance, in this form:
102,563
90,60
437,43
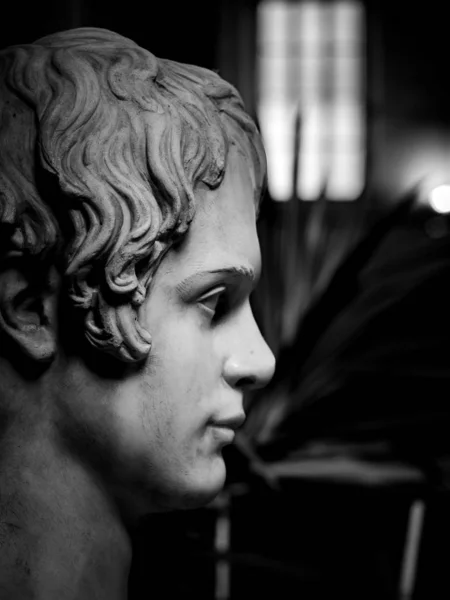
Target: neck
61,538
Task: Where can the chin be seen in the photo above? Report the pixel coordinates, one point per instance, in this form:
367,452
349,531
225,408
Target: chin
200,487
195,489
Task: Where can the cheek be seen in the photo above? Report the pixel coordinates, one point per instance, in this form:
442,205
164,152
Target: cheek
183,359
177,389
173,396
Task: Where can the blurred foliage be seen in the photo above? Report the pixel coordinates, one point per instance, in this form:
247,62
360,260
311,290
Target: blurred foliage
368,360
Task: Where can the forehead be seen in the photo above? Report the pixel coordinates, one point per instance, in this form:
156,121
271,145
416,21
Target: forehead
223,232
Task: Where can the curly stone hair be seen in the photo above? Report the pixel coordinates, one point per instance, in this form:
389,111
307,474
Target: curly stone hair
125,137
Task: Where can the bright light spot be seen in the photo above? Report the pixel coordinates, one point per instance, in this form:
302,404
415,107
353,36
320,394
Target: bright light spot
440,199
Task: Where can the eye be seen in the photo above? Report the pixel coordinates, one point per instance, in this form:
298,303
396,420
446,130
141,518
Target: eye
214,302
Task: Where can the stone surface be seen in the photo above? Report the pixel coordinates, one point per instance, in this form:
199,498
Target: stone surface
129,188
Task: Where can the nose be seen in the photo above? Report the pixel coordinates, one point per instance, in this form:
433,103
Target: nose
251,364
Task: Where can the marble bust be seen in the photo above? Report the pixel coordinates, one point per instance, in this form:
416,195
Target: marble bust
129,190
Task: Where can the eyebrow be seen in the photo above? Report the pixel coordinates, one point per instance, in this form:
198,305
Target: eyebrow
241,271
236,271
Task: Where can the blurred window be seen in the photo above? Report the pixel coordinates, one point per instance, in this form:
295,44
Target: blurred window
311,77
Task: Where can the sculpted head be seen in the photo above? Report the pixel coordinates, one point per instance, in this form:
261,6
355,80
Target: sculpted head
129,188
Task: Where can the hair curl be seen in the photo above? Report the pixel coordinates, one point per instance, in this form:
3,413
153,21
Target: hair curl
127,136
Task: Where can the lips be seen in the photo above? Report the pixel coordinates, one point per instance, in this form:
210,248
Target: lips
224,428
233,422
223,435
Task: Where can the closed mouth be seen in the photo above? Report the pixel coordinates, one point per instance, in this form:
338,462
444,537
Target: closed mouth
223,434
232,423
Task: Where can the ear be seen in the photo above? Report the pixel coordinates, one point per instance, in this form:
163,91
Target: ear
28,310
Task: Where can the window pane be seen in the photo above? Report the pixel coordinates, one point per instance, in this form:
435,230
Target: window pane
311,56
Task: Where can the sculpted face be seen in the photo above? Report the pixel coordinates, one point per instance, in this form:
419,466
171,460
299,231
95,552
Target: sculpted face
163,427
126,335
